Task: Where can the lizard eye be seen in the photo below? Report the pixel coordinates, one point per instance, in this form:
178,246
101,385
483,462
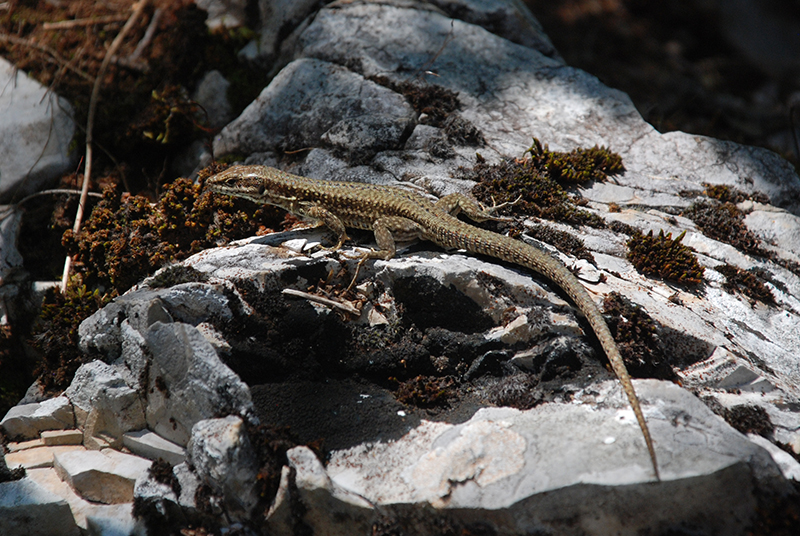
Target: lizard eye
261,189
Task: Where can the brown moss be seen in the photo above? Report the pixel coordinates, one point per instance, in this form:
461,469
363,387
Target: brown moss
746,282
425,391
728,194
664,257
436,102
577,166
125,240
725,222
637,337
536,182
55,334
562,240
144,115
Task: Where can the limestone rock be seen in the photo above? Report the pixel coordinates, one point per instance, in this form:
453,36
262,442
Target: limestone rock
223,458
32,458
43,153
152,446
188,382
106,476
27,508
28,420
106,405
350,113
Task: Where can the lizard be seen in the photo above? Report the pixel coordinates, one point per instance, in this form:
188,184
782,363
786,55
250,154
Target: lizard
395,214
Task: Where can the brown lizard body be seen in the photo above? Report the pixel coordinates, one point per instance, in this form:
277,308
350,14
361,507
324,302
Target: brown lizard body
397,214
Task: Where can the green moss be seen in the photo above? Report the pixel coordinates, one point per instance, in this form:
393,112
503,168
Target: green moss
664,257
538,180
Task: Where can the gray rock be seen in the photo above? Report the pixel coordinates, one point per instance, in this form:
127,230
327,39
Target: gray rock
28,420
343,102
152,446
224,458
276,16
211,94
10,259
187,382
42,154
512,467
106,476
106,406
27,508
511,20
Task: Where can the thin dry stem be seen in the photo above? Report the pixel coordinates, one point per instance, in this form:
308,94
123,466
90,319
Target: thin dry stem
112,51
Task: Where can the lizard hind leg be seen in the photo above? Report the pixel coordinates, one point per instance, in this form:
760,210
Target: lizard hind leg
454,204
385,230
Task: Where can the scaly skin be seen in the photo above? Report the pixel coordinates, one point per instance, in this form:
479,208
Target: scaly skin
393,213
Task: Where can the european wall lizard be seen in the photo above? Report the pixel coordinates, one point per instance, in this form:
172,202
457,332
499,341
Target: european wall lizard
397,214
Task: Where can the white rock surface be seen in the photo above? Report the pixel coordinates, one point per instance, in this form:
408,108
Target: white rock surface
188,382
62,437
28,420
42,153
106,476
152,446
38,457
223,458
106,406
28,509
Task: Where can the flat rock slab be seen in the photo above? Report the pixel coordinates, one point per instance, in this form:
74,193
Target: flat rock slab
62,437
27,420
28,508
39,456
522,470
152,446
106,476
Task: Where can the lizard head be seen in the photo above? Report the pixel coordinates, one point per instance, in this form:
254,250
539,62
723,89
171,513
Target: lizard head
240,181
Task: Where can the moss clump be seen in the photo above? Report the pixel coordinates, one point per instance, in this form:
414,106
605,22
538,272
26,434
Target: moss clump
562,240
436,102
725,222
577,166
55,334
746,282
664,257
537,182
425,391
728,194
637,337
125,240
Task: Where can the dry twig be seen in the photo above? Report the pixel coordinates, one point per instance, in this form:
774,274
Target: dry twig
112,51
